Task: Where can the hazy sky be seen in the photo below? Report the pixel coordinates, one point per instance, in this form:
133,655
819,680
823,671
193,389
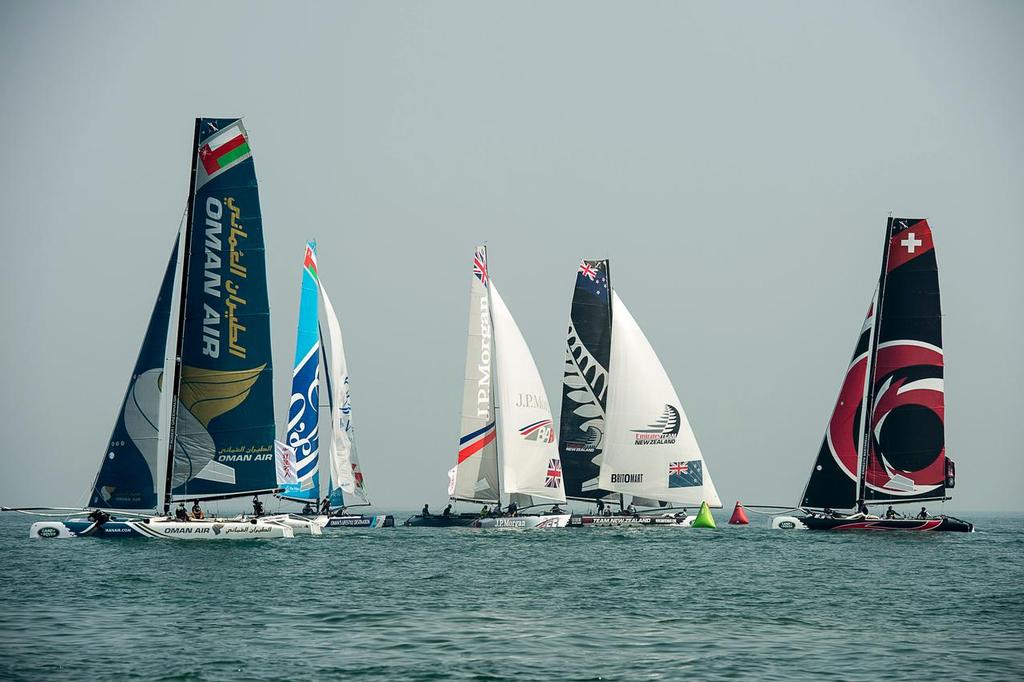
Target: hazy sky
736,161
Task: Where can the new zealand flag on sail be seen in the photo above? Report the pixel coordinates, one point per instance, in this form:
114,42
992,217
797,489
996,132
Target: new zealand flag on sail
686,474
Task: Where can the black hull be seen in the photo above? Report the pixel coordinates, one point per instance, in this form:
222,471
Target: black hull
941,523
440,521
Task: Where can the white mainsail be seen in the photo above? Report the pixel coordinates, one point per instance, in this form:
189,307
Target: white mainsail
650,449
530,464
476,475
345,472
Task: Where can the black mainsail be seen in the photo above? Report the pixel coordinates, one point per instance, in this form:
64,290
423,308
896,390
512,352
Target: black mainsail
585,381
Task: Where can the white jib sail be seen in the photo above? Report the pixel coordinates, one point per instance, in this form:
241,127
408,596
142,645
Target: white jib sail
345,471
650,449
529,453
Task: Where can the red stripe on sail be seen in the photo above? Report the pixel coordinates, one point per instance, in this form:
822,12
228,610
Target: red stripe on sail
476,446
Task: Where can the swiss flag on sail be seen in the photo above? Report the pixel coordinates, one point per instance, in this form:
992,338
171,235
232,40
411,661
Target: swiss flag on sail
909,243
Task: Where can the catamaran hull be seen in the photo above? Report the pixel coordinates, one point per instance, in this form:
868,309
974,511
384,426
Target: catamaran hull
619,521
522,522
302,525
362,521
942,523
170,530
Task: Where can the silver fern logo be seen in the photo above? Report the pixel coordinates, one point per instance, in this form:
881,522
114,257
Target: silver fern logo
586,382
662,431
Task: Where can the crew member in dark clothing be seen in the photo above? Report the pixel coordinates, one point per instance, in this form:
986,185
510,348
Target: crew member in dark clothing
180,514
257,506
447,511
600,506
99,517
923,514
890,513
325,506
555,509
513,508
862,508
425,511
197,511
307,509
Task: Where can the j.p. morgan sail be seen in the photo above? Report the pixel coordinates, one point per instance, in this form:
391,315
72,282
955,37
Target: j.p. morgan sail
885,440
505,420
624,431
220,432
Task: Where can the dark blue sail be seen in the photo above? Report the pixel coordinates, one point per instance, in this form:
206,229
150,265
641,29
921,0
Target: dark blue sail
127,478
223,423
585,380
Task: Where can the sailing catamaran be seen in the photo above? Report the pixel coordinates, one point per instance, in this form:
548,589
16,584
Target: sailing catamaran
508,441
343,475
894,452
623,429
219,435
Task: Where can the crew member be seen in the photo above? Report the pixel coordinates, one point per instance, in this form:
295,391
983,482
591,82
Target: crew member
600,506
325,506
99,517
923,514
447,511
485,511
890,513
513,508
307,510
555,509
425,511
197,512
180,514
257,506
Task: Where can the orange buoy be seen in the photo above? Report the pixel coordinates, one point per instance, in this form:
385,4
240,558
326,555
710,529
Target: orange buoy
739,516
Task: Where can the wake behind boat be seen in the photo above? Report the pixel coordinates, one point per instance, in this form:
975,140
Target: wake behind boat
219,434
885,441
508,442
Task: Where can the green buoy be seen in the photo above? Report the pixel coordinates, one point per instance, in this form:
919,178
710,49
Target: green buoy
704,518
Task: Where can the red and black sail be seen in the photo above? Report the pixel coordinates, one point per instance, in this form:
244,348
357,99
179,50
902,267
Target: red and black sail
907,454
894,451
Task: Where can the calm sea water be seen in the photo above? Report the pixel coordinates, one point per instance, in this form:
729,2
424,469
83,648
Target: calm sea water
608,604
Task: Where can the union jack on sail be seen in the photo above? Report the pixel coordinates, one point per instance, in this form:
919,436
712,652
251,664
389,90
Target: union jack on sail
480,265
554,476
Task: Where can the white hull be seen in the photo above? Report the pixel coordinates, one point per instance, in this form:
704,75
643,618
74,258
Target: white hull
302,525
522,522
163,528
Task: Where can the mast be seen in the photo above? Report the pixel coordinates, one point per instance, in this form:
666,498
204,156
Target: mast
330,408
865,450
494,386
180,333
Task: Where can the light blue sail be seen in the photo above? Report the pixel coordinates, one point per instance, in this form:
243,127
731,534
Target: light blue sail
303,411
